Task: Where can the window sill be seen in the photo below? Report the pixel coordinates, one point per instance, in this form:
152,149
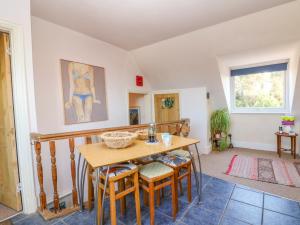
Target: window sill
260,112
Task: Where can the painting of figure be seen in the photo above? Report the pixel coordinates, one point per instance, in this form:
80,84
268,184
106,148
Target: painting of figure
84,92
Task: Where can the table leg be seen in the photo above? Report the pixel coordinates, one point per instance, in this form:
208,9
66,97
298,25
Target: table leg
195,172
78,181
96,197
279,145
277,141
103,196
200,174
83,173
294,145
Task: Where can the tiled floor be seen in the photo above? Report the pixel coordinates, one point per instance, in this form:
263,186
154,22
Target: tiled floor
223,203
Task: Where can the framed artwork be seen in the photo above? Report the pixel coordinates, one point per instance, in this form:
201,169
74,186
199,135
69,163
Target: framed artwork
134,116
84,93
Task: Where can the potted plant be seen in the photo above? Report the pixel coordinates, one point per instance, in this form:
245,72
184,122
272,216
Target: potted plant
219,127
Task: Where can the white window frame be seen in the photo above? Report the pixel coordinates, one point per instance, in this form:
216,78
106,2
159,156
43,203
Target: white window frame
262,110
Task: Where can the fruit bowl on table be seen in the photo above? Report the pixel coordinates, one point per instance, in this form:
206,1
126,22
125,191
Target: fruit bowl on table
118,139
142,134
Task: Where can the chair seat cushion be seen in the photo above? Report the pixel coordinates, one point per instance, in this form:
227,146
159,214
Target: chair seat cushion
155,169
116,170
173,160
180,153
148,159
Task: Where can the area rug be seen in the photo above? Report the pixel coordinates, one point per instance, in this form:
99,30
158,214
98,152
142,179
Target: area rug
275,171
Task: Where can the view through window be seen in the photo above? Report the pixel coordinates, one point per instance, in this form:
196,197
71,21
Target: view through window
259,87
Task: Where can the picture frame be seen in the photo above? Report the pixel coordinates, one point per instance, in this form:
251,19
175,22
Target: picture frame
84,92
134,115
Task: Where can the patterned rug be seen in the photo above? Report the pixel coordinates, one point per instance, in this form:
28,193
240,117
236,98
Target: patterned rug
275,171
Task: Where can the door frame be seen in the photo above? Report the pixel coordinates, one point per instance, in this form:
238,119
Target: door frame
22,120
138,92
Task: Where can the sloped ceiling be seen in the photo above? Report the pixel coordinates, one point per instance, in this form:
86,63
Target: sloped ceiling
131,24
191,60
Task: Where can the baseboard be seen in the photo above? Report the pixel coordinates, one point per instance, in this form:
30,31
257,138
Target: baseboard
253,145
205,150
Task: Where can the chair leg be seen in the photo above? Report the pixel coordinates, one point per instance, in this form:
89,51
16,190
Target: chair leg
180,187
175,177
157,193
151,203
121,187
163,192
90,188
112,195
100,193
189,183
145,195
174,198
137,198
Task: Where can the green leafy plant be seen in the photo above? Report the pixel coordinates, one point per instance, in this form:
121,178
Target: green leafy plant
220,122
224,144
220,125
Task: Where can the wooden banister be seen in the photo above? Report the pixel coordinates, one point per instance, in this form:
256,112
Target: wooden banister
180,127
83,133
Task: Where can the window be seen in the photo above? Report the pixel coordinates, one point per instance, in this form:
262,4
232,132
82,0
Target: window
259,89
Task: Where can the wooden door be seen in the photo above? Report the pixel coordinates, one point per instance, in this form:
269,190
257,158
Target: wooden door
166,112
9,176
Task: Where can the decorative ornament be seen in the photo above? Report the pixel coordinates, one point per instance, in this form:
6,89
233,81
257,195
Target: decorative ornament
167,103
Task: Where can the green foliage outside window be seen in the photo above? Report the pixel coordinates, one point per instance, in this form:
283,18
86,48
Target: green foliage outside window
263,90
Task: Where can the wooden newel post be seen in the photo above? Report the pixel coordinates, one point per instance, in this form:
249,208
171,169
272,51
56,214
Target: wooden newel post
73,172
37,147
54,176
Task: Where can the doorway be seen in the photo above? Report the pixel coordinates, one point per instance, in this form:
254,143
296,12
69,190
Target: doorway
166,107
10,196
139,108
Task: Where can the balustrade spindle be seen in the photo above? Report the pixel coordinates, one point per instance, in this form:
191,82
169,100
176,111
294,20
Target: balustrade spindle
37,146
73,172
54,176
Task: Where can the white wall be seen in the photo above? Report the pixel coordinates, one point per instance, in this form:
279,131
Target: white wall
52,43
190,60
16,14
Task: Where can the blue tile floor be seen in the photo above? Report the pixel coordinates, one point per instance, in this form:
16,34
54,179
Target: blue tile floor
223,203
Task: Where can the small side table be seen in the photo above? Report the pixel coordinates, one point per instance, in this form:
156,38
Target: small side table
293,143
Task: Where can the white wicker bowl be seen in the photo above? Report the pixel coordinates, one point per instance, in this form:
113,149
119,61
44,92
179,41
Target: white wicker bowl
118,139
142,134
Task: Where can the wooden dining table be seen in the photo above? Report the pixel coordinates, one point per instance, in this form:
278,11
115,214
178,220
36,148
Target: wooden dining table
100,157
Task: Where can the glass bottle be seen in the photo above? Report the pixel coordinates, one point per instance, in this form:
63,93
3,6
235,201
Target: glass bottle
152,132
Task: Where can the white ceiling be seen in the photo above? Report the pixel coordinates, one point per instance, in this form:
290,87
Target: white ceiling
131,24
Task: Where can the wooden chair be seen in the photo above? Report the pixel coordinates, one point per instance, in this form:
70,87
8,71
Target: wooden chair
181,162
153,177
118,175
